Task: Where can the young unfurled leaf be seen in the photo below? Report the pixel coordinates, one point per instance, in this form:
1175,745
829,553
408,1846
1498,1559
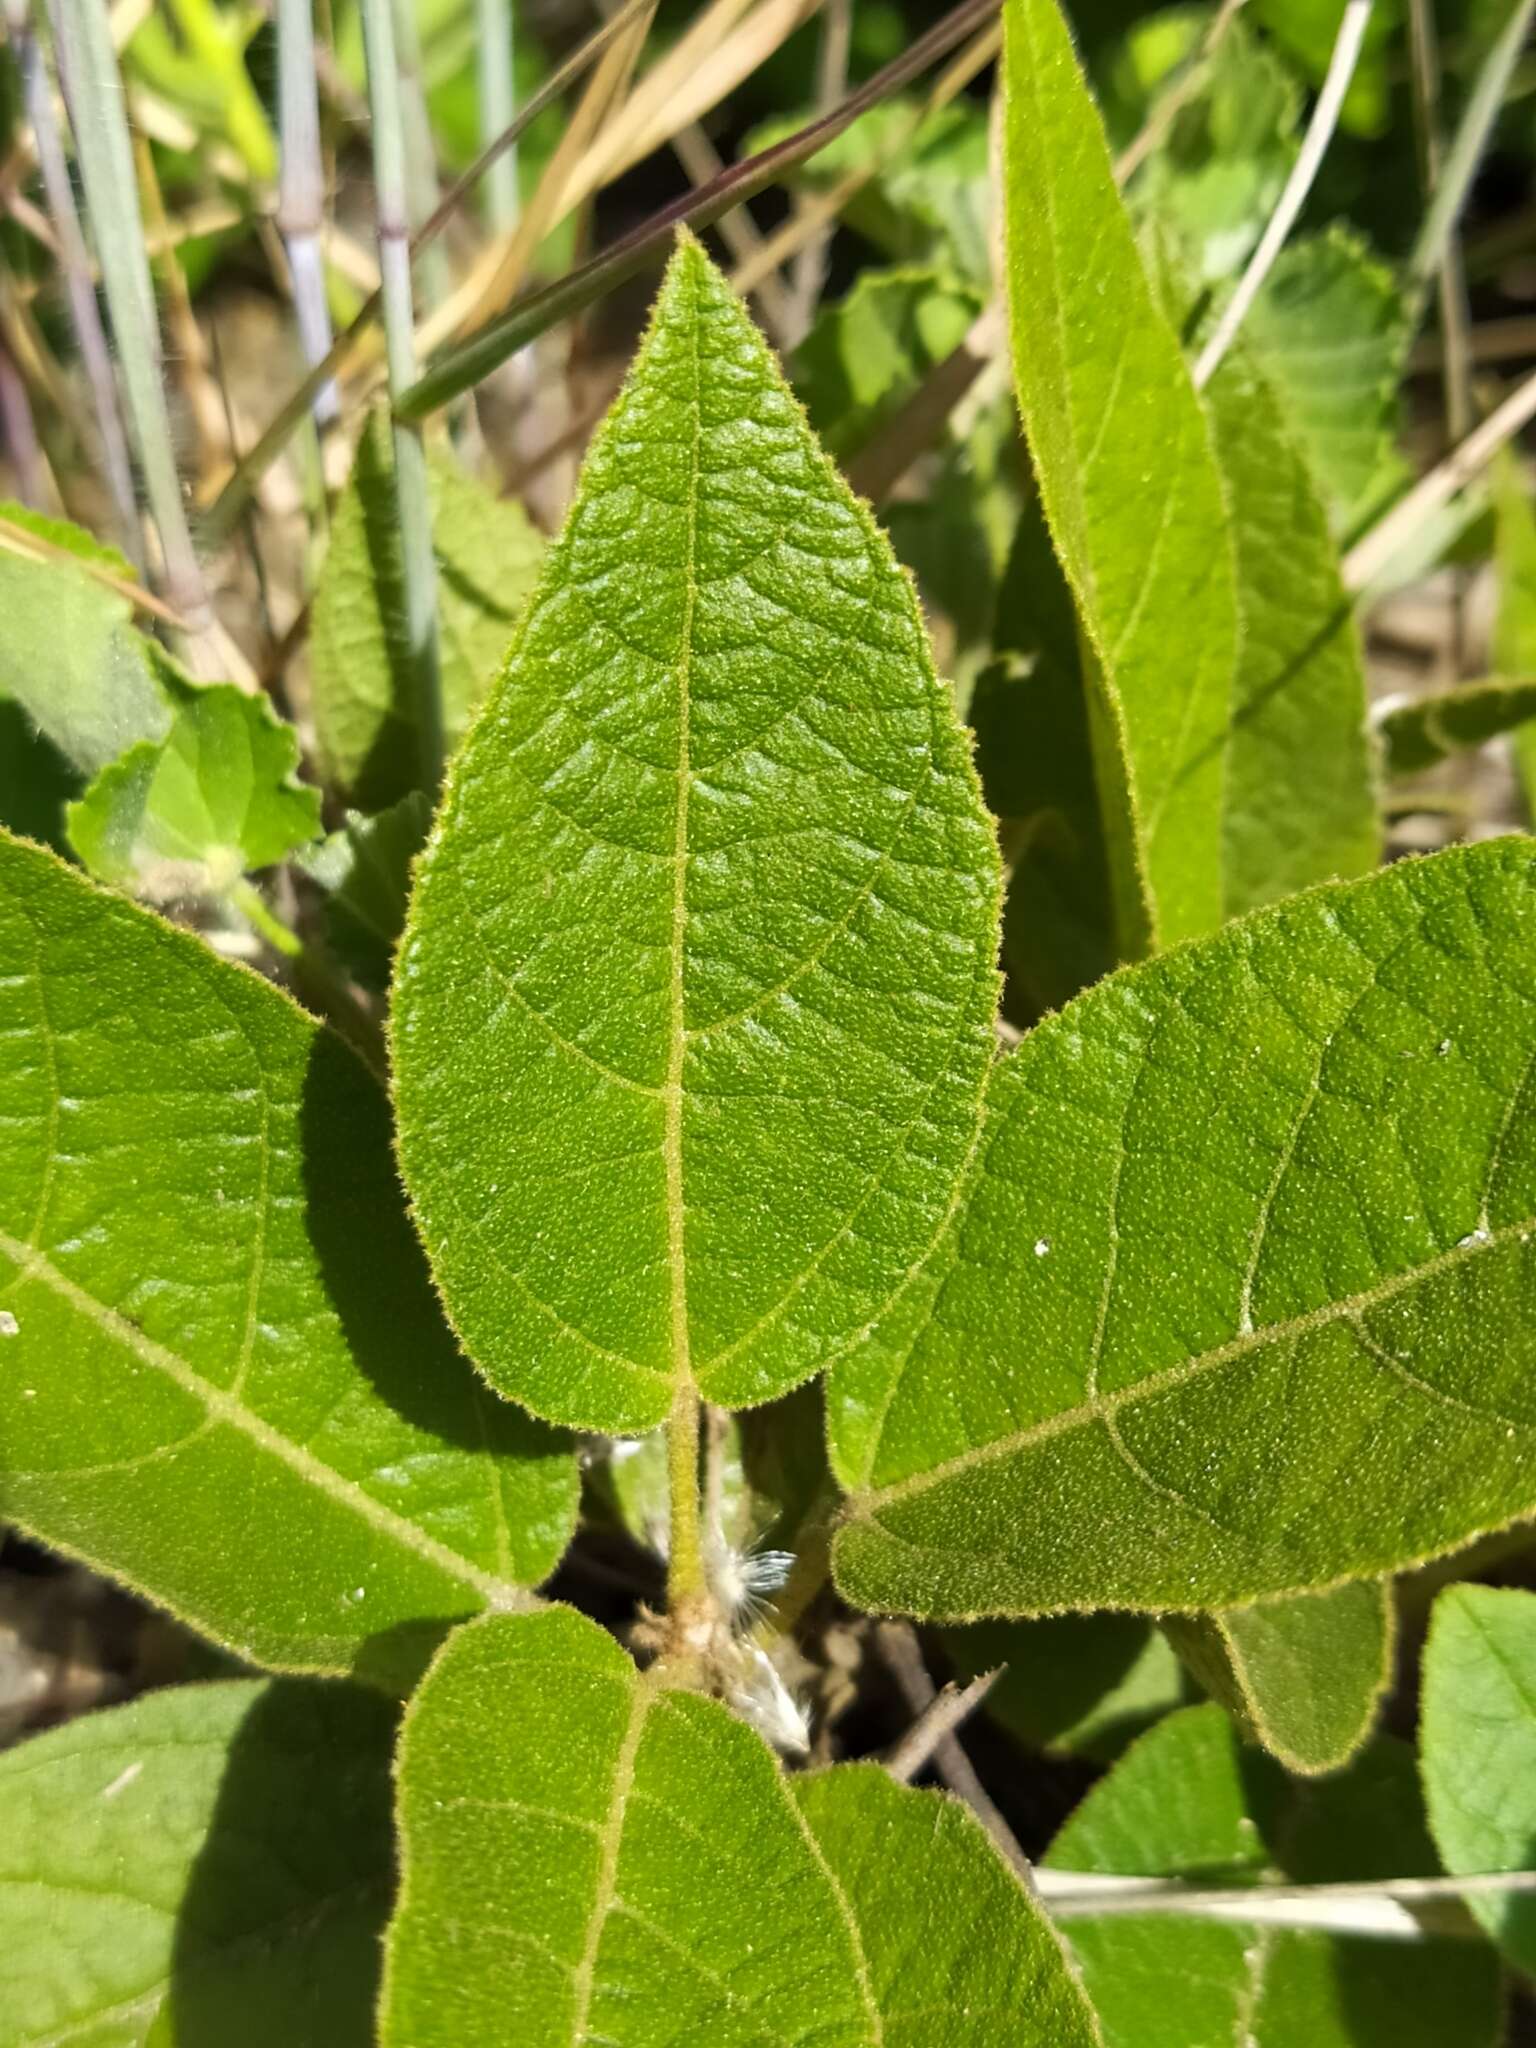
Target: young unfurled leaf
1239,1302
1130,489
209,1864
693,1009
1075,1684
1304,1676
223,1377
488,555
1420,733
1187,1800
1477,1741
69,654
588,1856
189,814
365,870
1299,805
1330,331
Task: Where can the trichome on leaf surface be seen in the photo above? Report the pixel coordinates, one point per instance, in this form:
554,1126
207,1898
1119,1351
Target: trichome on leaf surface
566,1287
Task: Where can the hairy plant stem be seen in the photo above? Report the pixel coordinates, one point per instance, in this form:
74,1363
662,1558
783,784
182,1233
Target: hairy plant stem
687,1584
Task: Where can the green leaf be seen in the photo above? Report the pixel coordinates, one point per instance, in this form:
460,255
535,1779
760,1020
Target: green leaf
68,652
1303,1676
189,814
1130,489
1330,331
1077,1684
1226,154
365,870
709,913
1300,798
1240,1300
929,200
867,353
488,554
588,1856
209,1864
223,1377
1477,1739
1187,1800
1307,31
1422,731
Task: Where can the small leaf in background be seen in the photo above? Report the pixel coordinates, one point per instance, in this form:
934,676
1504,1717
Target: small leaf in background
1306,30
1303,1676
867,353
189,814
1130,489
1074,1684
1477,1742
365,870
1275,1196
1513,649
588,1856
709,914
1034,752
1421,732
1188,1800
36,782
1300,804
209,1864
1330,332
1225,157
224,1379
930,199
69,654
488,554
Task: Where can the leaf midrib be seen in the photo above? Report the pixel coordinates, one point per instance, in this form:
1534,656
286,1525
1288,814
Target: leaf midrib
1105,1407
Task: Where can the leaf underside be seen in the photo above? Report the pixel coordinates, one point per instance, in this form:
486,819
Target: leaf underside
692,1013
223,1377
1240,1301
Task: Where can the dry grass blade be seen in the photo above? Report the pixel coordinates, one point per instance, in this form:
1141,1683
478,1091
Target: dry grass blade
461,368
32,547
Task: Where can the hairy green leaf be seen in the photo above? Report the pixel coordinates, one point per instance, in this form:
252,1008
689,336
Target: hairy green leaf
1240,1300
1076,1684
189,814
1304,1676
488,555
1130,489
1187,1800
708,914
223,1377
1330,331
1477,1741
588,1856
1422,731
209,1864
365,870
68,652
1300,799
